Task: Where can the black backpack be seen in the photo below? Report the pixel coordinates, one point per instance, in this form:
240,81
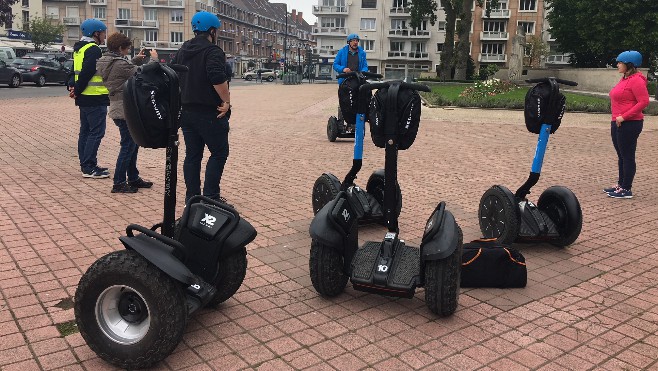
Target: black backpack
486,263
407,116
538,110
151,103
349,98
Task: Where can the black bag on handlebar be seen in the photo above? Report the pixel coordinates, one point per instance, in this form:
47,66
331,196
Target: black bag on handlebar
151,104
538,111
407,118
348,99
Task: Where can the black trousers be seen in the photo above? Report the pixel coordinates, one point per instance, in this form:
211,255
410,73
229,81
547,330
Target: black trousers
624,139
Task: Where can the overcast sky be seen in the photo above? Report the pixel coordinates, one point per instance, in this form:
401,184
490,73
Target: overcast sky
305,6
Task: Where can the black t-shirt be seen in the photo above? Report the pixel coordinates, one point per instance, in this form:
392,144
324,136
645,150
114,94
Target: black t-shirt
353,61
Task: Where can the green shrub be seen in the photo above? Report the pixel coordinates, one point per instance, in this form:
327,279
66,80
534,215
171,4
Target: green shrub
488,88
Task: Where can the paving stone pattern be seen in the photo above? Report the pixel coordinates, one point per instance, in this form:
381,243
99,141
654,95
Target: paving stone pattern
593,305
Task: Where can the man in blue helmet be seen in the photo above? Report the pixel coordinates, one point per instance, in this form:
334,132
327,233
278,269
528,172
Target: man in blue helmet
91,96
351,57
205,100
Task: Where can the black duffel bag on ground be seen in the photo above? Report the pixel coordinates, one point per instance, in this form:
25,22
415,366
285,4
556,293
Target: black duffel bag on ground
487,263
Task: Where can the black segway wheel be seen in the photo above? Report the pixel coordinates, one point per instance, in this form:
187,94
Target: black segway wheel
332,129
325,189
326,268
499,215
562,206
128,311
442,280
375,187
232,270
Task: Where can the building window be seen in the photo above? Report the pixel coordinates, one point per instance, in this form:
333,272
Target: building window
398,24
99,12
397,46
150,14
494,26
423,25
368,45
501,5
367,23
439,47
73,32
527,27
368,4
177,15
400,3
52,12
333,22
26,3
528,5
493,48
26,16
442,25
419,47
176,37
151,35
125,31
123,13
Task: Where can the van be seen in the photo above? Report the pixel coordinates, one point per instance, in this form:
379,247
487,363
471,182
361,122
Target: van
7,54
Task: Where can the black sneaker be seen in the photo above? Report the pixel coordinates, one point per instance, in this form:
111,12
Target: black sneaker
612,188
140,183
96,174
123,188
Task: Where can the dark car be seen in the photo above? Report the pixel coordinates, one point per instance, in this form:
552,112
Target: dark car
41,70
10,75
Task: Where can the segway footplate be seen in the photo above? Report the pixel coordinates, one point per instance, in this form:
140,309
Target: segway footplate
404,273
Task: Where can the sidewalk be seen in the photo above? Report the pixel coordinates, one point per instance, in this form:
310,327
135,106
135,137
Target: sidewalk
593,305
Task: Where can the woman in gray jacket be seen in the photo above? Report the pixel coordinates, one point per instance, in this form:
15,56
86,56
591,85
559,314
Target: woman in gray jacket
115,69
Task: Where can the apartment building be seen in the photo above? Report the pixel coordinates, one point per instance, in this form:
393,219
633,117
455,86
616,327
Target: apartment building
254,33
398,51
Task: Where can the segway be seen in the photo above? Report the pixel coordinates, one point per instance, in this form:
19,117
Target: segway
389,267
327,186
338,126
132,305
557,217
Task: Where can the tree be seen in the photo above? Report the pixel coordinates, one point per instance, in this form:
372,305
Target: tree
595,35
536,48
44,33
5,12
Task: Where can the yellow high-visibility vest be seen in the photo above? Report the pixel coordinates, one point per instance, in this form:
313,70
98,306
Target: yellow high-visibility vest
95,85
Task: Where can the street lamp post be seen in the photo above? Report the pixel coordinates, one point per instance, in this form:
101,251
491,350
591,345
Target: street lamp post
285,44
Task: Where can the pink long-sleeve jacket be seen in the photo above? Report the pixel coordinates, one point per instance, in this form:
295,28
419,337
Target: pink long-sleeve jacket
629,97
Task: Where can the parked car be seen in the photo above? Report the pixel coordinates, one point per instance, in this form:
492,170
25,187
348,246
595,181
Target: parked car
7,54
41,70
266,74
10,75
58,56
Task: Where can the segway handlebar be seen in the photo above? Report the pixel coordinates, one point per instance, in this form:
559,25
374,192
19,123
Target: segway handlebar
548,79
403,85
356,73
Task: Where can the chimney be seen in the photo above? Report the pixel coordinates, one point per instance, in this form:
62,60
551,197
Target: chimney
294,15
299,17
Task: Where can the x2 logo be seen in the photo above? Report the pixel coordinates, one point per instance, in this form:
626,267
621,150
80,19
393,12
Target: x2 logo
208,221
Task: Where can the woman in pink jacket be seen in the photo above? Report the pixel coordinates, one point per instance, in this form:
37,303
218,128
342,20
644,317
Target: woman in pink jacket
627,99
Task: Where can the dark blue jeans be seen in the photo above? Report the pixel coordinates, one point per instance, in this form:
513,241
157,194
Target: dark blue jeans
92,131
624,139
127,160
201,129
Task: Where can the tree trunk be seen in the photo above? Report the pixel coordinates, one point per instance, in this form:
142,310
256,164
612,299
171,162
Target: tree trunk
463,49
445,68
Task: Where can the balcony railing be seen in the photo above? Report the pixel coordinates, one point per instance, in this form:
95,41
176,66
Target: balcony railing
161,45
326,10
406,32
499,13
494,35
71,21
558,59
330,31
225,34
401,10
136,23
97,2
257,41
163,3
419,55
269,44
486,57
397,54
326,52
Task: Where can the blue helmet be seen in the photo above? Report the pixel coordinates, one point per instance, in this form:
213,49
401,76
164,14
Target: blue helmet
91,25
203,21
352,36
630,56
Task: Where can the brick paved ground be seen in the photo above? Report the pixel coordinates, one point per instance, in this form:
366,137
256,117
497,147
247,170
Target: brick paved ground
593,305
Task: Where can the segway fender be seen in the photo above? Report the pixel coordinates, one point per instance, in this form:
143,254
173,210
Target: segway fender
441,236
160,255
333,223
